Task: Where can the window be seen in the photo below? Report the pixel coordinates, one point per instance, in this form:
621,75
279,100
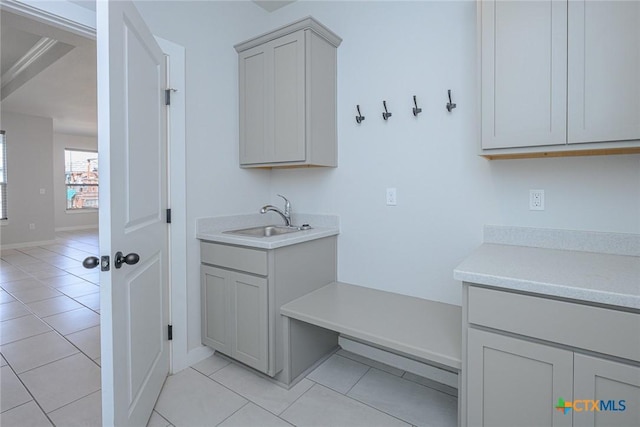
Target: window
3,175
81,177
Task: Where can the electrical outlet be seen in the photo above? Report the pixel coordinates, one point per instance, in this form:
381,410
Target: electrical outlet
42,191
391,197
536,200
32,226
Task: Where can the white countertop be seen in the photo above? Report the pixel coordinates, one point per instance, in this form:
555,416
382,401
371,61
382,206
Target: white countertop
586,276
213,229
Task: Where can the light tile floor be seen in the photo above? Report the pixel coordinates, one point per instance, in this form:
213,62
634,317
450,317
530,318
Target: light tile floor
49,334
50,374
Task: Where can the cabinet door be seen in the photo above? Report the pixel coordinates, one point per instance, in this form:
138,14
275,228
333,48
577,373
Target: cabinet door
523,73
272,101
614,383
255,110
216,302
604,71
288,104
513,382
250,320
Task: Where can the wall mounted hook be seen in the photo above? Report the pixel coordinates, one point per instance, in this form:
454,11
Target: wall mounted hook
450,105
359,117
386,113
416,110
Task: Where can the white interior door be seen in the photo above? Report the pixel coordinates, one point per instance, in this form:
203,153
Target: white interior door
132,146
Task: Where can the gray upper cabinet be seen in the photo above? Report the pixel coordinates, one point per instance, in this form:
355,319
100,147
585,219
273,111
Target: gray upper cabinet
604,71
287,97
559,77
524,73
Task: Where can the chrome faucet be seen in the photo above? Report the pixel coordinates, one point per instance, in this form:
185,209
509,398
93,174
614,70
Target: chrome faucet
286,215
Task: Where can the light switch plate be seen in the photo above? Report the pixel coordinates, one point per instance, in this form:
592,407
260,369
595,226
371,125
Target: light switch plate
391,197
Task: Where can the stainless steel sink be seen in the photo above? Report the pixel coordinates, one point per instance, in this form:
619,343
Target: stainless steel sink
265,231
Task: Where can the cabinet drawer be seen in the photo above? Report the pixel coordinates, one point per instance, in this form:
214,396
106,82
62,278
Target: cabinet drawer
244,259
582,326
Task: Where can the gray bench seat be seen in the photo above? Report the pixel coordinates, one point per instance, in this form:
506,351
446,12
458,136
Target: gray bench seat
425,330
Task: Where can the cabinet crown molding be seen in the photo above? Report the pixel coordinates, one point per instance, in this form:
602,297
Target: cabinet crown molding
309,23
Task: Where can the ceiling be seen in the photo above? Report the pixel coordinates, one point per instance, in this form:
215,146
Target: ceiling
271,5
268,5
48,72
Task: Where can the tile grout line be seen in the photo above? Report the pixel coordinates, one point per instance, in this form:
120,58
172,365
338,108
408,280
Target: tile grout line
41,280
80,398
368,405
33,398
384,412
359,379
245,397
36,335
157,399
364,403
242,396
235,412
220,384
298,398
429,387
52,329
160,415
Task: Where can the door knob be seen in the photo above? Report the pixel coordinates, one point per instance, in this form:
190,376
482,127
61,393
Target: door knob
128,259
91,262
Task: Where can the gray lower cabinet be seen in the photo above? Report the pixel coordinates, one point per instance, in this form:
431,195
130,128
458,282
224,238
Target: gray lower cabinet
235,320
513,382
243,288
616,384
523,352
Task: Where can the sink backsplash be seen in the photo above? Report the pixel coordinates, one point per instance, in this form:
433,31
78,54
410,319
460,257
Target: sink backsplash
574,240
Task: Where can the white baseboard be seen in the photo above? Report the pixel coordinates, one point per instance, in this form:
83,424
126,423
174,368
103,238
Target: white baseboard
418,368
76,228
27,244
194,356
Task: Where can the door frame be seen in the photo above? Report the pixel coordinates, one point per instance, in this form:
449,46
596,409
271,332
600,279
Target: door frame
79,20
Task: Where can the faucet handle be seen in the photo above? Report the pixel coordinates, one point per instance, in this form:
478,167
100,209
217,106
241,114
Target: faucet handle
287,205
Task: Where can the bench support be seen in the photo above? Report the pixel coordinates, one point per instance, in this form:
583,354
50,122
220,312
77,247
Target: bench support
305,347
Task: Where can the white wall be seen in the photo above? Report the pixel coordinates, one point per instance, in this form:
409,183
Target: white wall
600,193
446,193
392,51
29,169
73,220
215,184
